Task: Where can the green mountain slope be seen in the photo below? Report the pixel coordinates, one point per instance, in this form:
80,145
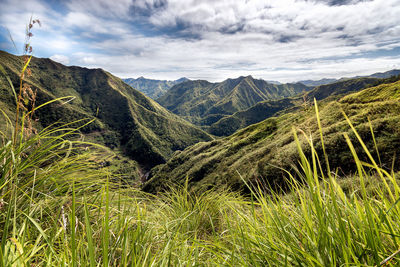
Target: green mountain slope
261,151
124,117
265,109
152,88
204,103
386,74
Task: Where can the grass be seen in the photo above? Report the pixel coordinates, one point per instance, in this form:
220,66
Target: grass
58,212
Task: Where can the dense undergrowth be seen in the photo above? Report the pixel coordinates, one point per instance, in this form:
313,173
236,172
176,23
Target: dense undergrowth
60,208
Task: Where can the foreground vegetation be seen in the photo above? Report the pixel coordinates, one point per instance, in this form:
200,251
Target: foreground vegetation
55,211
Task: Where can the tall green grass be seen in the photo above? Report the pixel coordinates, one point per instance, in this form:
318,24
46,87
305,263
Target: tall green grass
59,212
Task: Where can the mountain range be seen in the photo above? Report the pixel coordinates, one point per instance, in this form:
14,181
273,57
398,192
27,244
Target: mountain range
265,109
124,118
254,118
386,74
263,152
204,103
153,88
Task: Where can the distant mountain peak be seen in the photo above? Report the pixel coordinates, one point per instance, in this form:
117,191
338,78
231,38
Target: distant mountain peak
181,80
250,77
153,88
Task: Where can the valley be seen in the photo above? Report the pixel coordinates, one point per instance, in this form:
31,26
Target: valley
241,125
123,118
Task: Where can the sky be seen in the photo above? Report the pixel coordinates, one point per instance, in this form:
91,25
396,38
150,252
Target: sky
281,40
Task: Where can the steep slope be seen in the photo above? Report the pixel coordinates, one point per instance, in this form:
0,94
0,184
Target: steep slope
259,151
152,88
259,112
124,117
204,103
265,109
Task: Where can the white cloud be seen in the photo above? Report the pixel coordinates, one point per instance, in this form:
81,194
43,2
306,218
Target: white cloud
88,23
284,40
14,15
101,8
60,59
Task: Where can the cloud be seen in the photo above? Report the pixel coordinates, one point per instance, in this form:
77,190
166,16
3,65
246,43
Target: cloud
100,8
60,59
341,2
285,40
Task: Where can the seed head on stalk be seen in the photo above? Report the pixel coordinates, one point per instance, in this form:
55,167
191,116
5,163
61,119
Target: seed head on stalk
26,94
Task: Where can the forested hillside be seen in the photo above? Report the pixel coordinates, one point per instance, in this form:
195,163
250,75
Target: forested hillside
123,117
204,103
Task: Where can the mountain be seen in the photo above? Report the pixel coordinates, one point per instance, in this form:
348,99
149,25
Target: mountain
318,82
263,151
153,88
273,82
123,117
265,109
386,74
204,103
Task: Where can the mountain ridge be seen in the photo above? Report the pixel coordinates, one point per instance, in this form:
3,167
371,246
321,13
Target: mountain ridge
151,87
260,152
123,117
323,81
265,109
196,100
